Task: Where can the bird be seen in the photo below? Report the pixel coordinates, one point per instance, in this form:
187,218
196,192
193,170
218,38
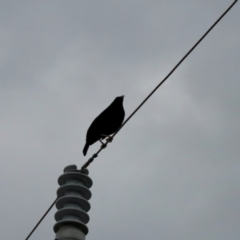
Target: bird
106,123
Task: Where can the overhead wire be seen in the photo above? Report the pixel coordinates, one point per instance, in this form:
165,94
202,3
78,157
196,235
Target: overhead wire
44,215
85,165
109,139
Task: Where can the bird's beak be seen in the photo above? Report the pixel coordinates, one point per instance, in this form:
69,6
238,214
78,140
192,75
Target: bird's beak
122,96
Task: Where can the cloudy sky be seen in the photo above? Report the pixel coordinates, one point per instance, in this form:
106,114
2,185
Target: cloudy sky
173,171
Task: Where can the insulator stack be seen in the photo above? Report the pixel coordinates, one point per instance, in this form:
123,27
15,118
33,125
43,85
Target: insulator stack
72,204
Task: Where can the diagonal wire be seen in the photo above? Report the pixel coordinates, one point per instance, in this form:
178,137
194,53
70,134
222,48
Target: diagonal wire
44,215
155,89
85,165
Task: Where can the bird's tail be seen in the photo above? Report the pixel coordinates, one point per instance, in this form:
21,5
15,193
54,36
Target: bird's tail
85,149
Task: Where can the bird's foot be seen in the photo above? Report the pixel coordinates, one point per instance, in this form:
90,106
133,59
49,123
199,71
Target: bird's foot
108,138
103,144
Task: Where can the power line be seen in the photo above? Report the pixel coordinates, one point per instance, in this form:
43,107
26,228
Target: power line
155,89
44,215
85,165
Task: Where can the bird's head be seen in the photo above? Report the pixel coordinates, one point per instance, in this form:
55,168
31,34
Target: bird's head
119,99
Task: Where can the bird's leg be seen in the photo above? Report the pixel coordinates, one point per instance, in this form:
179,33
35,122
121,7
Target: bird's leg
103,144
109,138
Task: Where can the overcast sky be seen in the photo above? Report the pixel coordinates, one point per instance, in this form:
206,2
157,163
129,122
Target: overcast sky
173,172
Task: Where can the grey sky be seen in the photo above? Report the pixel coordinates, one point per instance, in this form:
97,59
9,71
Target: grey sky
173,170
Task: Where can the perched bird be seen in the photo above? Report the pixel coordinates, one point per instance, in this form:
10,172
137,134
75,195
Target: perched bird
107,123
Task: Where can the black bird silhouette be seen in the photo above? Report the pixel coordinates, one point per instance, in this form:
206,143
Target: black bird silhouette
107,123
